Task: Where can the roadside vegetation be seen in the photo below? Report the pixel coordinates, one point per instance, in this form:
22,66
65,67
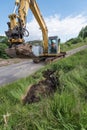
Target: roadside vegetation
69,45
64,110
3,46
73,43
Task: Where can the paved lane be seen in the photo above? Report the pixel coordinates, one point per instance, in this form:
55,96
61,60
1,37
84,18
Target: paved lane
14,72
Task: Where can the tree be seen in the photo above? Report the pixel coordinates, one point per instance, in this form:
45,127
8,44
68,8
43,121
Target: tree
83,33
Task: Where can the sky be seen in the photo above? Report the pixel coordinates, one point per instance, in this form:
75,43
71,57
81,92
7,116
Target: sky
63,18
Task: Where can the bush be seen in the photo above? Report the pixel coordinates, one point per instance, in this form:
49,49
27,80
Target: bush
68,43
76,40
73,41
70,40
3,54
3,39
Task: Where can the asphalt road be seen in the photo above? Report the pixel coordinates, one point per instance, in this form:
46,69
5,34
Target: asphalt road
71,52
14,72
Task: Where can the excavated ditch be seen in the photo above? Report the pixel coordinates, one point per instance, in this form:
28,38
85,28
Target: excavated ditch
44,88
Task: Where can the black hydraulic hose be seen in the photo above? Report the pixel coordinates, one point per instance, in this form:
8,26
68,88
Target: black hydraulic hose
25,32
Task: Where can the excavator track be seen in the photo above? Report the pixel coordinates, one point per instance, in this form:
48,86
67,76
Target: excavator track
53,59
48,60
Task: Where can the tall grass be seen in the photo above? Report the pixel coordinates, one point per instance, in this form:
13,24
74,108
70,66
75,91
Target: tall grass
65,110
69,46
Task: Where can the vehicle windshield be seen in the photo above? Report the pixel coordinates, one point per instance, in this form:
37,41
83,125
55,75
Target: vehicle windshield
53,45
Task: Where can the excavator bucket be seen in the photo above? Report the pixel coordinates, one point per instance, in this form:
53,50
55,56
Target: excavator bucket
21,51
11,52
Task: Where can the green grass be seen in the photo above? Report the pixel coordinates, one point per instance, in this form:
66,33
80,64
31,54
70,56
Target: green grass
65,110
67,47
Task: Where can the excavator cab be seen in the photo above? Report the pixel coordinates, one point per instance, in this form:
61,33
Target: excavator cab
53,51
53,45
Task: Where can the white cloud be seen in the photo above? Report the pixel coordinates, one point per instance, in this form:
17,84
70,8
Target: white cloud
2,34
65,28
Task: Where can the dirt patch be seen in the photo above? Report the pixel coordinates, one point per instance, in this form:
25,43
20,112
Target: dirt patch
5,62
44,88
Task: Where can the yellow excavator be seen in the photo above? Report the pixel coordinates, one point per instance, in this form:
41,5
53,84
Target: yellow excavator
17,31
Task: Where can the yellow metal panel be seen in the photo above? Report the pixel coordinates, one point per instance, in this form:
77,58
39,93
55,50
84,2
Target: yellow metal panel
13,20
16,41
17,2
23,10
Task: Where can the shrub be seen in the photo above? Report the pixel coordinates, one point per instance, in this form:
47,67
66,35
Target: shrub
3,54
75,40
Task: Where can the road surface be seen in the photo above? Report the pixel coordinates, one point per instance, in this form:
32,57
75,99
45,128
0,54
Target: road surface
14,72
71,52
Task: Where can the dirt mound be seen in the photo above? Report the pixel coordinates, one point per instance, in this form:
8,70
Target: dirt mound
43,89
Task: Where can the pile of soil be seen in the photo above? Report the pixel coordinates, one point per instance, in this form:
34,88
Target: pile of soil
44,88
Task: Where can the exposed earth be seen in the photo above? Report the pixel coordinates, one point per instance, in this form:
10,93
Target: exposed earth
44,88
